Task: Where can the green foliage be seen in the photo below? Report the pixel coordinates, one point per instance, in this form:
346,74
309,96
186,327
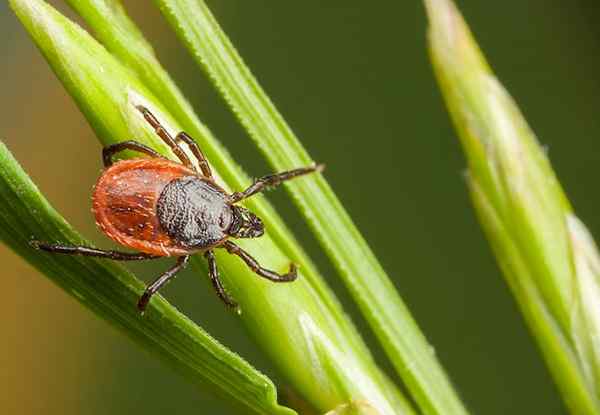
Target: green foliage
301,325
547,256
549,259
360,270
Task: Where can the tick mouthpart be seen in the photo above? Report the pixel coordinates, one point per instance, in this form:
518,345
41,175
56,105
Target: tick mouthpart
245,224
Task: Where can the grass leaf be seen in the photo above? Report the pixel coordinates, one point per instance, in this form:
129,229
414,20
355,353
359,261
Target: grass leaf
547,256
368,283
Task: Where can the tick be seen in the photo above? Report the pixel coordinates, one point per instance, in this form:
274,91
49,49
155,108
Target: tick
163,208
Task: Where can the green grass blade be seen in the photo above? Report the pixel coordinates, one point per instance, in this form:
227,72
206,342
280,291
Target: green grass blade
305,332
370,286
548,258
123,39
111,292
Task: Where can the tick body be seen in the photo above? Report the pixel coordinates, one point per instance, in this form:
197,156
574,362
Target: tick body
161,208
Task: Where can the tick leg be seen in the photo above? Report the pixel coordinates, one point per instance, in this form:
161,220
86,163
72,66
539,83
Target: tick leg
213,271
255,266
166,137
86,251
160,281
273,180
202,162
110,151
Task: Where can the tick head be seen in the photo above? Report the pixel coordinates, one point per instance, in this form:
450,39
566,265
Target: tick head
245,224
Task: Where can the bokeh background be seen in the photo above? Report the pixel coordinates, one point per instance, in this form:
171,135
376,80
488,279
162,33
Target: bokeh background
354,81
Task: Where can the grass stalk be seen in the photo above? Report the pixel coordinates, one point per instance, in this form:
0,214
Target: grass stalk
546,254
370,286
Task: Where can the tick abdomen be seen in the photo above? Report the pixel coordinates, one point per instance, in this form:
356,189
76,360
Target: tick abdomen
194,211
125,201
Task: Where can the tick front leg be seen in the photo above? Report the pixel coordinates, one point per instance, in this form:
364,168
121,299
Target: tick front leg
213,271
165,136
86,251
160,281
110,151
202,162
274,180
255,266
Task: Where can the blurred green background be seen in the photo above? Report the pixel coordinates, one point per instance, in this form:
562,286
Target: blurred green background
354,81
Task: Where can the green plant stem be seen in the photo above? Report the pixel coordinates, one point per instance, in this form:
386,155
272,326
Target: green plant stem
369,285
547,256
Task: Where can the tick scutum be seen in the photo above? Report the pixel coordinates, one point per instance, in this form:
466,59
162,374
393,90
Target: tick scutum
195,212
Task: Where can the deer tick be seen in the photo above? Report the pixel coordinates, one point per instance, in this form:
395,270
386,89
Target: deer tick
163,208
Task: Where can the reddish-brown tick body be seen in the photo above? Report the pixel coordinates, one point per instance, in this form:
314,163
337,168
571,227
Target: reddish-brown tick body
160,207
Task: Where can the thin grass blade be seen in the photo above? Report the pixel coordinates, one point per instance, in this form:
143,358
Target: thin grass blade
548,258
368,283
